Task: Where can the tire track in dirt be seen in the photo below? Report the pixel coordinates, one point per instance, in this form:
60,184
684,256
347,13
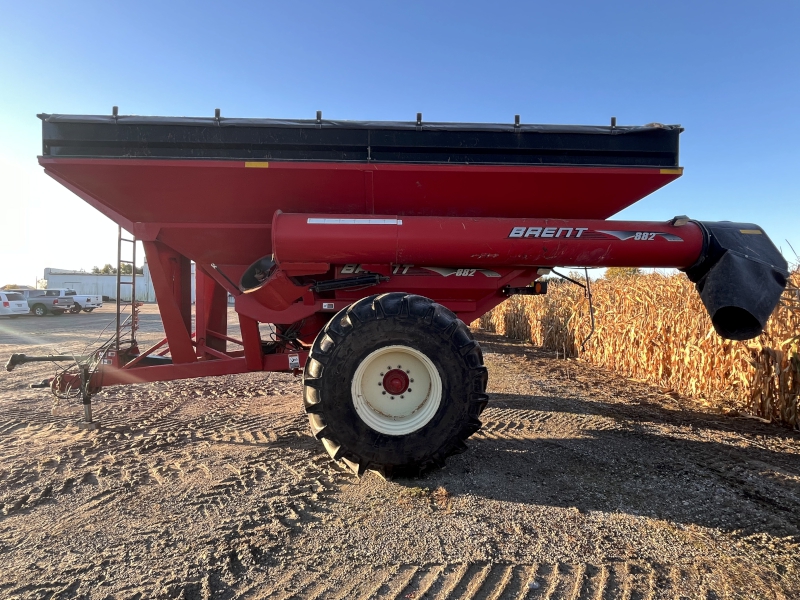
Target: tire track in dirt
116,455
503,423
493,581
249,519
215,489
739,474
77,450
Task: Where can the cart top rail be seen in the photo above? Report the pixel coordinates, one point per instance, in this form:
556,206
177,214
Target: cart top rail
116,136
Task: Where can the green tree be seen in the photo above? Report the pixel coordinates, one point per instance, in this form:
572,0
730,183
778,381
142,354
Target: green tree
127,269
622,272
109,270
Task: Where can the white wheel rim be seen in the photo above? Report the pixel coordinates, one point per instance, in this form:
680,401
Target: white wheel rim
401,413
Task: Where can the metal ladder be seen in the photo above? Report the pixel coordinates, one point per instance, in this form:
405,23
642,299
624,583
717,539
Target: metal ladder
88,422
134,321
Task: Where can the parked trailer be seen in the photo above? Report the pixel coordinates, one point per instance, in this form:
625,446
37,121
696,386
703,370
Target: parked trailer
369,245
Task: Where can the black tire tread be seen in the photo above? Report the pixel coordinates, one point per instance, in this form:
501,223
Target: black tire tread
401,306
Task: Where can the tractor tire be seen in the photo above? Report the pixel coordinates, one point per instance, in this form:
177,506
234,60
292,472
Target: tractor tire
394,384
39,310
75,309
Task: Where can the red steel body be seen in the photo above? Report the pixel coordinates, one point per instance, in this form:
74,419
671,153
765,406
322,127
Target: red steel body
457,244
221,211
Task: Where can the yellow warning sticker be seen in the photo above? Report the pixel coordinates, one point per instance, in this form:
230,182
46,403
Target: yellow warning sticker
751,231
257,165
678,171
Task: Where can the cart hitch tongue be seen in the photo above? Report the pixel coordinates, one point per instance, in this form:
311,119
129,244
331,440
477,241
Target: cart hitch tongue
21,359
16,359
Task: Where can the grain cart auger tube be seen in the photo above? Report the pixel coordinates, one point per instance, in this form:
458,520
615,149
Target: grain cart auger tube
367,246
738,271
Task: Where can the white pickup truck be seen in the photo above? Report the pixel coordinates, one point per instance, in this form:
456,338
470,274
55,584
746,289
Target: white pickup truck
82,302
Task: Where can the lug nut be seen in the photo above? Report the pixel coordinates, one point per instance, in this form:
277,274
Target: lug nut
410,390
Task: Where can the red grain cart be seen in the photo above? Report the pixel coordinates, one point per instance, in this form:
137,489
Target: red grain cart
369,245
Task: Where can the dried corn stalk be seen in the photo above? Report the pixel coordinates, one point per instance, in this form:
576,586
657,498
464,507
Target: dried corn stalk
655,328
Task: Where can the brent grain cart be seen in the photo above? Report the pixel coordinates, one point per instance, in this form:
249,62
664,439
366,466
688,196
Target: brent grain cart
368,246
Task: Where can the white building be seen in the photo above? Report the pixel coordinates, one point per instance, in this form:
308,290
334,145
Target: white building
106,285
103,285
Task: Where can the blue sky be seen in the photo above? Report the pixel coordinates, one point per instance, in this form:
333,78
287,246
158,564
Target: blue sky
729,72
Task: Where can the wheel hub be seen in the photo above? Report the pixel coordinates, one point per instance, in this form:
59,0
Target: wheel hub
395,382
396,390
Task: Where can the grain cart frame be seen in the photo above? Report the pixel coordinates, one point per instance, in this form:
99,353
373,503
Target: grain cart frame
369,245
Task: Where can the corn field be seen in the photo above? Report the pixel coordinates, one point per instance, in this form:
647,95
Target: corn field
654,328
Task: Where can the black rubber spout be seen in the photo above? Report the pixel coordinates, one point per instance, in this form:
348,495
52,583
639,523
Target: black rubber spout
740,278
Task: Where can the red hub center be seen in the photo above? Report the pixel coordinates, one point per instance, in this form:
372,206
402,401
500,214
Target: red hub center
395,382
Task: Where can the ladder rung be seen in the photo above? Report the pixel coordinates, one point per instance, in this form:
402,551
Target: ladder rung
127,240
126,283
125,262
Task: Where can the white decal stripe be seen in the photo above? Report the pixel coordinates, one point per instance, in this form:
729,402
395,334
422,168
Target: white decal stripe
621,235
315,221
627,235
443,271
671,238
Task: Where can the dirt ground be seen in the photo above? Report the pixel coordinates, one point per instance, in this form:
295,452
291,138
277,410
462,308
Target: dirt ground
580,485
